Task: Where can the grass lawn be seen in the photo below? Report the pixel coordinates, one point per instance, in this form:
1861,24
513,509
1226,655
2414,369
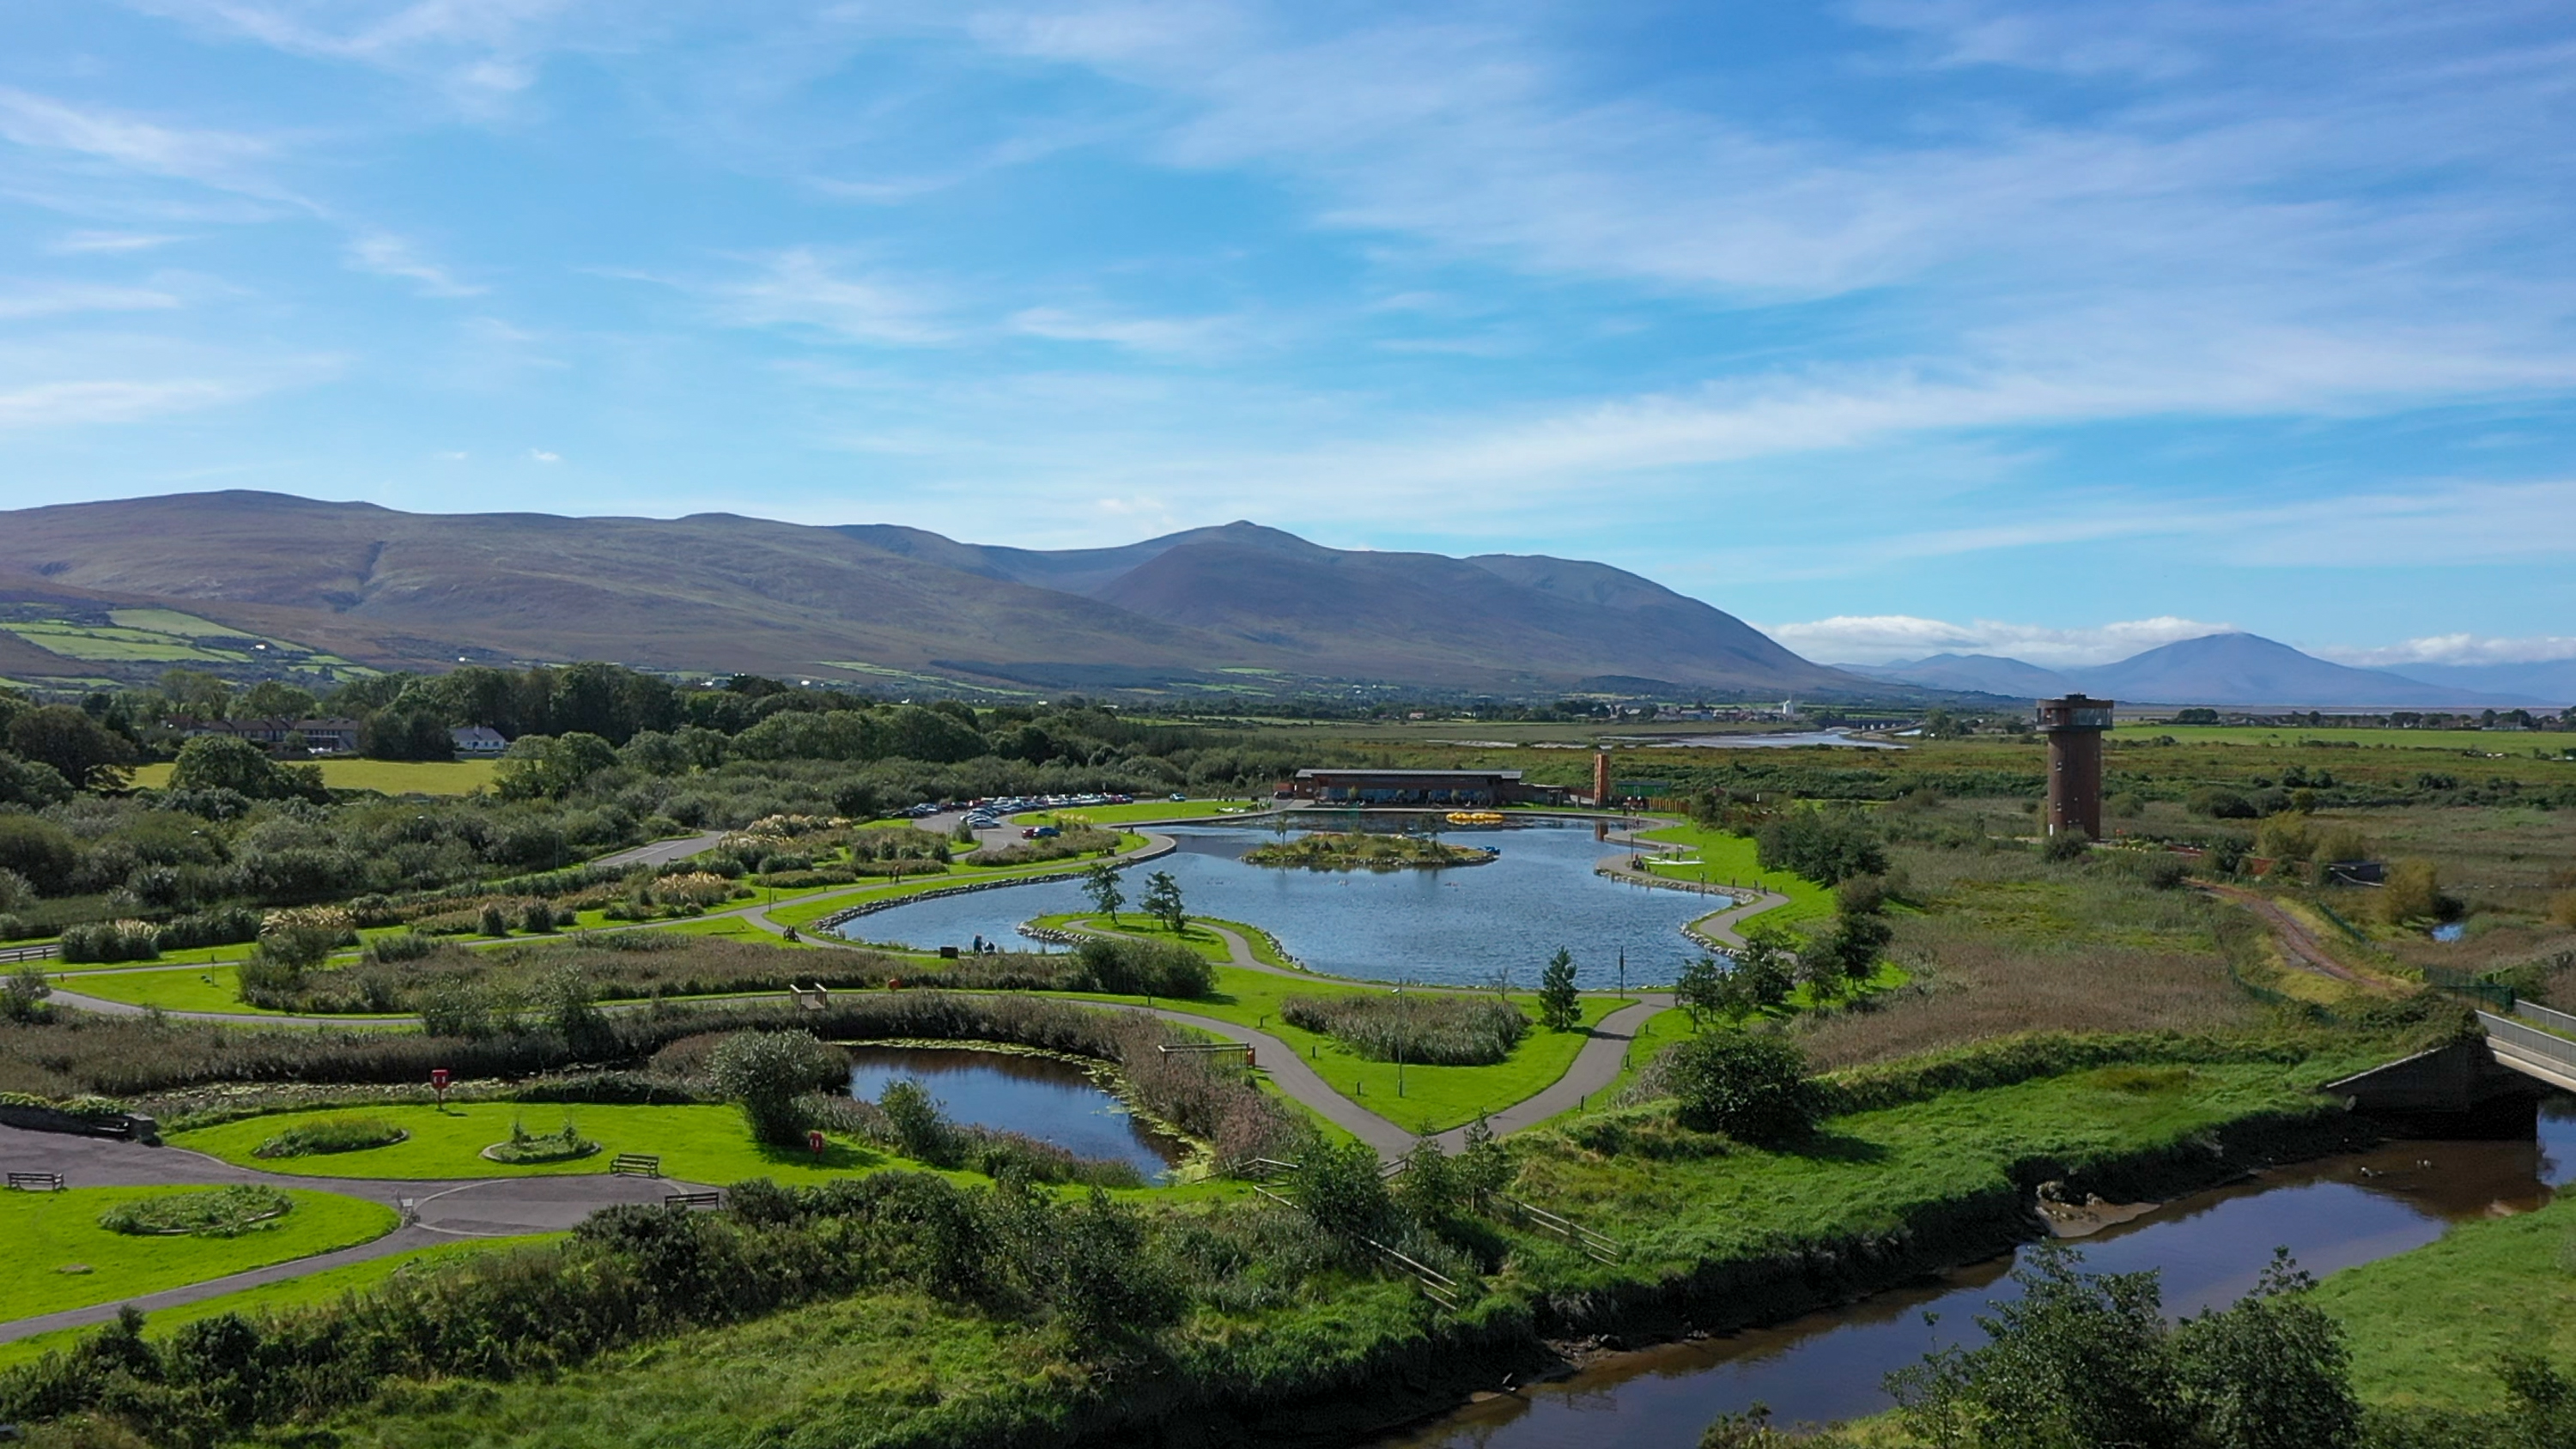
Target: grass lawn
1721,857
1433,1099
697,1143
393,777
1196,935
178,988
322,1287
805,912
48,1232
1660,1031
2428,1327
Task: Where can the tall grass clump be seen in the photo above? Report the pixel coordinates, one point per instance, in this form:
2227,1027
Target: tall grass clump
1440,1031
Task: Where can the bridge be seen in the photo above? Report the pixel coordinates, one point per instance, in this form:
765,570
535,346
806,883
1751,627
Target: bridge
2519,1055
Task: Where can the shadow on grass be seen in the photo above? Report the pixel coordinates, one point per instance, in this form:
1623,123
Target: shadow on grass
1837,1147
835,1157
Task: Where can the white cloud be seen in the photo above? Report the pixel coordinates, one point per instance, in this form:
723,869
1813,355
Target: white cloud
542,456
2458,649
453,455
479,53
802,288
387,255
62,298
214,158
64,404
86,242
1885,638
1155,335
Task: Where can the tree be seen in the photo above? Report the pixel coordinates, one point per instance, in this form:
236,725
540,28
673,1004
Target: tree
1484,1166
1703,990
1428,1188
1752,1086
1112,1285
1163,901
196,694
1102,885
1855,944
405,733
1765,966
274,698
31,783
81,749
1339,1187
764,1072
2413,892
1824,848
2271,1371
1560,1005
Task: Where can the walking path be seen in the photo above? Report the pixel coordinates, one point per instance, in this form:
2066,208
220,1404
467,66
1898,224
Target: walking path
444,1210
2299,945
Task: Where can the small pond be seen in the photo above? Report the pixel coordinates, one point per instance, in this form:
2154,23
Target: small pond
1456,926
1041,1097
2208,1248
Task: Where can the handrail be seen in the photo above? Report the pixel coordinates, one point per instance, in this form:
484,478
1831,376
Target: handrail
2529,1039
2557,1021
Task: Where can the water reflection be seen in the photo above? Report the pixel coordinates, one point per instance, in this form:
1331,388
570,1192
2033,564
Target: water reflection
2209,1249
1039,1097
1457,926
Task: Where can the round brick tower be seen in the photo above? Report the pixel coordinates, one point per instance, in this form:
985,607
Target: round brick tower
2074,727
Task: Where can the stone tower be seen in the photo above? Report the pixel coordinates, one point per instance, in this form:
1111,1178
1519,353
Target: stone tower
2074,727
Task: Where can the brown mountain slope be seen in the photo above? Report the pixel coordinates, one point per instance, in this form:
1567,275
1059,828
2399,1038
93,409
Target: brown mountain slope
717,591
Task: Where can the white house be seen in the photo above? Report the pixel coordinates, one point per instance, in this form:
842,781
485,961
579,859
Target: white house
478,741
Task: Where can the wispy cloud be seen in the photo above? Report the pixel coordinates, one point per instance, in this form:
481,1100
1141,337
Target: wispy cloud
67,404
479,53
1170,336
82,243
58,299
210,157
387,255
1886,638
804,289
2458,649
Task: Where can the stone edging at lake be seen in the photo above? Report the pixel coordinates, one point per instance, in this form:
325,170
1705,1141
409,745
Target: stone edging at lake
1154,849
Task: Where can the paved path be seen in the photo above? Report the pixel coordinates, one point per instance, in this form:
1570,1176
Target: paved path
447,1209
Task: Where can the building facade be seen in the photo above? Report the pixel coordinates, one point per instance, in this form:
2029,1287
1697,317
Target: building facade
2074,726
1418,787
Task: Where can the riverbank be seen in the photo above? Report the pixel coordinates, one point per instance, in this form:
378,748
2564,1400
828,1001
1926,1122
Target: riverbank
1729,1237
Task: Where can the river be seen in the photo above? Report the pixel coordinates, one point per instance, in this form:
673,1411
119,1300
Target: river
2209,1248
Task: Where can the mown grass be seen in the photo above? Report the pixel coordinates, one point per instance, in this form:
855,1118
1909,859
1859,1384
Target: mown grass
696,1143
1727,858
325,1286
180,988
392,777
46,1233
1142,810
2428,1327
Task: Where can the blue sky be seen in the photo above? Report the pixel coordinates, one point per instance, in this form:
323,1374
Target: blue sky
2057,329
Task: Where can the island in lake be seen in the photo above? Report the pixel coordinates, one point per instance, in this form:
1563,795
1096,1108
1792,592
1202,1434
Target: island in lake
1359,850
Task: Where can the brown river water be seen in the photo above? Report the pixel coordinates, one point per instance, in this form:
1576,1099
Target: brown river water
2209,1248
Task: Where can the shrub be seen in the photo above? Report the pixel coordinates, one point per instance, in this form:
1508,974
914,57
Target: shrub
2413,892
495,922
2217,804
16,891
331,1134
305,937
2065,846
106,941
401,946
22,997
764,1072
920,1131
14,928
1752,1086
223,1212
561,1145
1427,1030
1862,895
1143,968
218,926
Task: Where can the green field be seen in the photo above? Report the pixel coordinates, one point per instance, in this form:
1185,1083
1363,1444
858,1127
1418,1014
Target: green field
179,988
391,777
696,1144
2429,1327
51,1233
2476,742
319,1287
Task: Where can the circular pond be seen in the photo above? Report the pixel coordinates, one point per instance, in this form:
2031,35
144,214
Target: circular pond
1454,926
1041,1097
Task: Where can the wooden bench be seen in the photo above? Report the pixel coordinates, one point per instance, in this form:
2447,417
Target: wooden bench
28,1181
635,1164
708,1199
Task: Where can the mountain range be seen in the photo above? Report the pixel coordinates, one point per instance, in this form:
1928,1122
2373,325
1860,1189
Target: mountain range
1234,608
2243,669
